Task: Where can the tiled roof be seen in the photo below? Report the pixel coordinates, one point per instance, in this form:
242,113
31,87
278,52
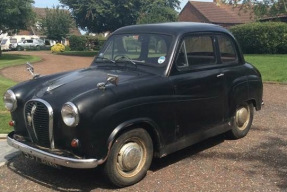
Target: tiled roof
222,13
41,12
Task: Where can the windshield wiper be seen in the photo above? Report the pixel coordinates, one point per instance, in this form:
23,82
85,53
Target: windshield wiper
124,58
105,59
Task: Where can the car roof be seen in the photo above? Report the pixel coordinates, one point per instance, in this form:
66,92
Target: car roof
173,28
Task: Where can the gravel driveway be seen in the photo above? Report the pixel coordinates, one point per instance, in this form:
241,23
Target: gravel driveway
50,63
257,162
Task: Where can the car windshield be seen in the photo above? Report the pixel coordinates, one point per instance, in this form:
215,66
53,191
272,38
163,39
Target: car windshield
151,50
4,41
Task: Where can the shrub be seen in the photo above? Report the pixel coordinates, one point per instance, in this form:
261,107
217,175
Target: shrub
58,48
95,42
81,43
77,43
261,38
67,48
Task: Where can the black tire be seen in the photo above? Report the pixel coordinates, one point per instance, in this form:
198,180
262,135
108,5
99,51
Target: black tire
19,48
133,145
242,121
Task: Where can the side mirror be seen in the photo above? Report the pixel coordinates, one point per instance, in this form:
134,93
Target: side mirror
30,68
113,79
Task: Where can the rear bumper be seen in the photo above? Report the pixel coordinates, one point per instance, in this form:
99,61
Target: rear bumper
52,158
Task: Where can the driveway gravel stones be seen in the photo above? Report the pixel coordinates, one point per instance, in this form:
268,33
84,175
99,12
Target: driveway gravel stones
50,63
258,162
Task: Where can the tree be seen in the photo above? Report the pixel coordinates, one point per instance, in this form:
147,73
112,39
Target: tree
262,8
56,24
156,12
15,15
108,15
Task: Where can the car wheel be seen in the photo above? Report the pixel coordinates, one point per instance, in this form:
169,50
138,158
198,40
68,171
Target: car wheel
242,121
18,48
129,158
37,47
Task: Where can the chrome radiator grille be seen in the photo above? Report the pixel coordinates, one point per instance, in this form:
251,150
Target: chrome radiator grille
39,122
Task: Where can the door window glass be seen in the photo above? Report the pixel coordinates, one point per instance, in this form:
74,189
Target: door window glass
196,50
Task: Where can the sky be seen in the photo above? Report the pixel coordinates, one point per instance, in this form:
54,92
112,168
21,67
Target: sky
51,3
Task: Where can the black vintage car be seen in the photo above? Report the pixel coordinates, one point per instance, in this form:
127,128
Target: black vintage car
152,90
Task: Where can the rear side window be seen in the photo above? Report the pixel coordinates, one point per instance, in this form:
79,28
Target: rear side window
227,49
196,50
13,40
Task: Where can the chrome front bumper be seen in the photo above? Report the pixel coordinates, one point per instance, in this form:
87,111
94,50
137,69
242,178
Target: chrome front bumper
52,158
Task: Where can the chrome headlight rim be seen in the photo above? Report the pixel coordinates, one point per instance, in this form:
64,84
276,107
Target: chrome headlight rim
70,108
12,97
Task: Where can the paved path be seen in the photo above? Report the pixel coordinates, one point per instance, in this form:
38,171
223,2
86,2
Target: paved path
6,152
50,63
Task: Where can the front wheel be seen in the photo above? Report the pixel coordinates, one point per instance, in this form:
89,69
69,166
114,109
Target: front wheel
242,121
130,158
19,48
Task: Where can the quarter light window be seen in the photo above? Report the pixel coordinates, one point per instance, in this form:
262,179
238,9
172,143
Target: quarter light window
227,49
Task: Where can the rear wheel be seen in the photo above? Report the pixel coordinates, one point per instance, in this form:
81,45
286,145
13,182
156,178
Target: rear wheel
242,121
130,158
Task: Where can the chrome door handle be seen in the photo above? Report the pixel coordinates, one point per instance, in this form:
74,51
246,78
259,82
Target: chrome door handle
220,75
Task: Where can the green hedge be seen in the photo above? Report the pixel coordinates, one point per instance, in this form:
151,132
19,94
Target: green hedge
77,43
262,38
81,43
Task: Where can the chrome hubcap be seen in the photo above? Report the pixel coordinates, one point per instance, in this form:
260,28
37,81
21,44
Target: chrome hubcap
130,156
242,117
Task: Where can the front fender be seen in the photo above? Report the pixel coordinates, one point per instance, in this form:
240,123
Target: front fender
147,124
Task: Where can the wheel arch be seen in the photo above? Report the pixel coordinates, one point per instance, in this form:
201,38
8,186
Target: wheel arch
149,125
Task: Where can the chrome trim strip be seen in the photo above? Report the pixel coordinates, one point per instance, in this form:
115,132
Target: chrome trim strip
55,159
32,119
51,120
25,118
172,57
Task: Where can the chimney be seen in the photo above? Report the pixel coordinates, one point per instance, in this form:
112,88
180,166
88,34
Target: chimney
218,2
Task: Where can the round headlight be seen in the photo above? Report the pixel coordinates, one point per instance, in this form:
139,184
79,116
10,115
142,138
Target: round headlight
10,100
70,114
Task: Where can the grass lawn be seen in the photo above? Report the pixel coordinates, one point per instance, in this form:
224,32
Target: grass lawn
79,53
4,114
5,61
272,67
